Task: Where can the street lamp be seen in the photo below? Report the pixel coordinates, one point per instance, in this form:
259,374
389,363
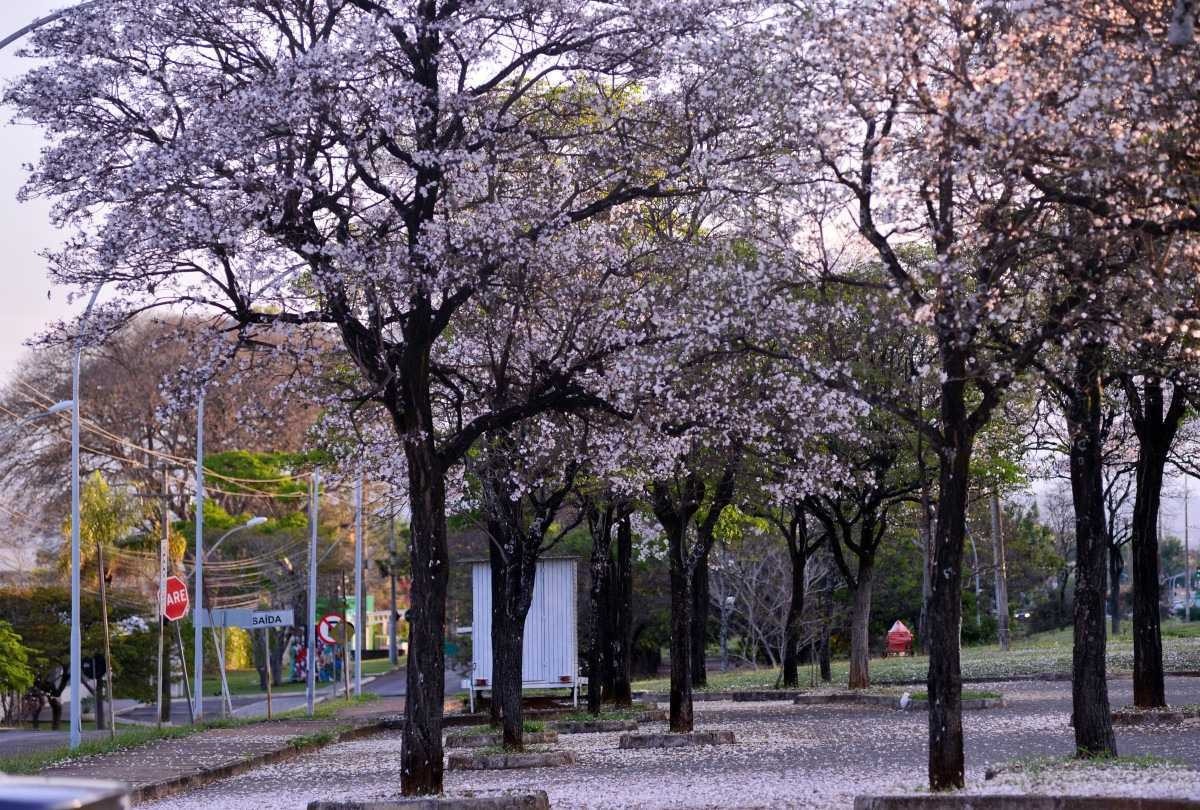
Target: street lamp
76,714
257,520
726,605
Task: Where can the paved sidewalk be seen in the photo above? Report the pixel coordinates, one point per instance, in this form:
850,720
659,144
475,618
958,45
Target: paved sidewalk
163,767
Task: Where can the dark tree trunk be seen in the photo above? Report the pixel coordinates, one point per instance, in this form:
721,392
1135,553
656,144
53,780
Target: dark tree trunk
674,518
1116,564
55,712
499,624
860,624
1155,426
421,754
621,640
1089,687
700,608
944,681
598,599
791,646
511,661
1149,687
681,634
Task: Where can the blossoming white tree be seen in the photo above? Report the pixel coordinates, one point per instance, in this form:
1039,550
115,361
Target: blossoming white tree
367,168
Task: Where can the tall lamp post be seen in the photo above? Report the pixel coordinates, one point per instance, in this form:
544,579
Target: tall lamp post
76,719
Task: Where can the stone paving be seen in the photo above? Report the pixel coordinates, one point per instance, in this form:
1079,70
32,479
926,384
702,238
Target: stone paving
785,756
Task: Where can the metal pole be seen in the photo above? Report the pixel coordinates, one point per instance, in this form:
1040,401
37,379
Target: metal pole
112,721
724,634
162,589
1187,574
198,640
393,648
76,674
187,688
359,612
310,658
267,659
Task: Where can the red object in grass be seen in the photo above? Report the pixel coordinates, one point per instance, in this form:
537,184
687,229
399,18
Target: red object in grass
899,639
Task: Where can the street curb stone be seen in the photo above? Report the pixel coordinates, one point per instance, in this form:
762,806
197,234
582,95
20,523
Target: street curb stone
594,726
638,742
501,762
532,800
1019,802
496,738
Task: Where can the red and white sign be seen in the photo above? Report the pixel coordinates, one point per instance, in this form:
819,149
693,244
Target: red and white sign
175,600
327,628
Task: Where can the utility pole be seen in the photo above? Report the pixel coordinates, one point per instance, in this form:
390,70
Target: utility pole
75,736
310,657
1187,570
100,698
359,608
1001,573
197,617
393,648
163,544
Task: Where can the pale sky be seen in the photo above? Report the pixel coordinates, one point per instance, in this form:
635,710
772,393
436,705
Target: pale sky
24,228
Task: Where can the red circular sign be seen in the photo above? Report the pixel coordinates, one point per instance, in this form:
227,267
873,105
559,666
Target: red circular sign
175,600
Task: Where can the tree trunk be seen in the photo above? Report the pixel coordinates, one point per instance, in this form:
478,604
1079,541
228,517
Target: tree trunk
998,554
499,623
421,753
925,532
1155,432
1089,687
511,661
860,625
944,681
700,608
791,645
681,635
1116,564
598,603
621,582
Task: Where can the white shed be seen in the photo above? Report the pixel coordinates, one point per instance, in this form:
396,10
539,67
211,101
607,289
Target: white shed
551,651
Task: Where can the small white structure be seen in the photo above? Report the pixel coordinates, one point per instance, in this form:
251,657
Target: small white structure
551,651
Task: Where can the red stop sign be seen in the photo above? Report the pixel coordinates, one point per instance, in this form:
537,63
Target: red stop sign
175,600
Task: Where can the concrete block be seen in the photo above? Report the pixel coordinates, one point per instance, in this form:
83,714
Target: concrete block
474,800
671,740
508,761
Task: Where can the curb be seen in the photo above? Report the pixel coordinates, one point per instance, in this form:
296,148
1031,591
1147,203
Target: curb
169,787
1019,802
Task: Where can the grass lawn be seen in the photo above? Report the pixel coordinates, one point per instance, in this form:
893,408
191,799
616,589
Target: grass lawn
245,681
1043,653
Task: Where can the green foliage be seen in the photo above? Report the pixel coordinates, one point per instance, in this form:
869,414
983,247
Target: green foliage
15,672
39,617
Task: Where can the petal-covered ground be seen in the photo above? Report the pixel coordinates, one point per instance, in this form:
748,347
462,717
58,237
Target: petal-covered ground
786,756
